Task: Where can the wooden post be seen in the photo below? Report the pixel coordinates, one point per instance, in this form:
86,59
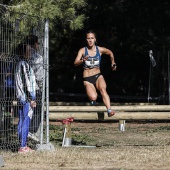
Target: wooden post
100,115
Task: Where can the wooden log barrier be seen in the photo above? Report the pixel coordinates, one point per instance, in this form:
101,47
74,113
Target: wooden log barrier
118,116
149,112
134,108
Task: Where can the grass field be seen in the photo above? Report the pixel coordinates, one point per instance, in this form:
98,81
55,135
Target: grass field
143,145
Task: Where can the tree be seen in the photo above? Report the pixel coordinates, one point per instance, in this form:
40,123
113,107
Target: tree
65,17
61,10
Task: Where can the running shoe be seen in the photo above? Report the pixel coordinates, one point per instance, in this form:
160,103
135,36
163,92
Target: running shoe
110,113
93,103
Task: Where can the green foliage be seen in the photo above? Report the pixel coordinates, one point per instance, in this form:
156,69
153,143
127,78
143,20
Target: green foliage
81,138
56,133
64,11
129,28
77,23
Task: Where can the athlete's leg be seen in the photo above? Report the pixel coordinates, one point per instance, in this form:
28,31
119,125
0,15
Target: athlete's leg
101,86
90,91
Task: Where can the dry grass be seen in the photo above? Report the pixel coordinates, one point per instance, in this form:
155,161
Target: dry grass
141,146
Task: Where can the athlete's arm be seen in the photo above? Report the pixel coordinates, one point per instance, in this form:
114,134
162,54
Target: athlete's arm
106,51
80,59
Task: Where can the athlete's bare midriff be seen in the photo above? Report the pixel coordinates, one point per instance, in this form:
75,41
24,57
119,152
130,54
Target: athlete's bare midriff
90,72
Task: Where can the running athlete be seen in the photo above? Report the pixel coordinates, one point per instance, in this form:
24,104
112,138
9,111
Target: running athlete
90,58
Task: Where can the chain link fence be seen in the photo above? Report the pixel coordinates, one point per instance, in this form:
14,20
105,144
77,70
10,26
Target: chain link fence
23,81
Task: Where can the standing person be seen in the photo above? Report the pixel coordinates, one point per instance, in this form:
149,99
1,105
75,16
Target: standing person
26,94
90,58
36,63
36,60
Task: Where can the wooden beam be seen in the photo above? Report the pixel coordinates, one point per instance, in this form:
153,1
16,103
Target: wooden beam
135,108
118,116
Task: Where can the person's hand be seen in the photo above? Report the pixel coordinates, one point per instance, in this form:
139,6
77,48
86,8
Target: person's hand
33,103
114,67
85,58
8,74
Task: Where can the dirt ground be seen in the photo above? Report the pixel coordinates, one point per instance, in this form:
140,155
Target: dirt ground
101,145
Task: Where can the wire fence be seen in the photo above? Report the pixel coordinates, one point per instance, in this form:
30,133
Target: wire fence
23,66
